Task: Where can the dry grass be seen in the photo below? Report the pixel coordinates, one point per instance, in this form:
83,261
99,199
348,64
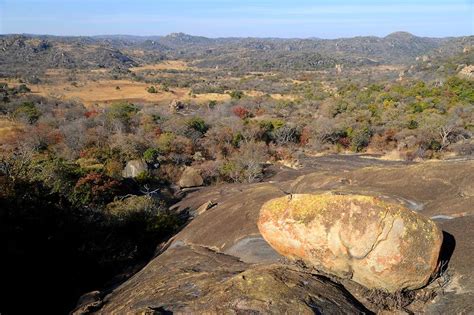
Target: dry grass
8,129
104,92
276,96
165,65
90,89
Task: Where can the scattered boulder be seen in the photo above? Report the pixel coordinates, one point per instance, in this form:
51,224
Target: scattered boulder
134,168
467,72
375,243
176,106
198,157
190,178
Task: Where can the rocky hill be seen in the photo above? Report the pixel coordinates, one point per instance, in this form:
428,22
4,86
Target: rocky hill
21,53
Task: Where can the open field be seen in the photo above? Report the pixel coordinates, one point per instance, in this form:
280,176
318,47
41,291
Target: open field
94,87
179,65
105,91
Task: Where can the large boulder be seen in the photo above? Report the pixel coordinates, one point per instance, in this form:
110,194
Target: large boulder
190,178
378,244
134,168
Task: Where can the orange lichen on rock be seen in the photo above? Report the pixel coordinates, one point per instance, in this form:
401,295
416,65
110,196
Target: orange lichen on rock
378,244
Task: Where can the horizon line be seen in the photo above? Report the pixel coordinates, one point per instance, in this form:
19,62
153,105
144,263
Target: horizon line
230,37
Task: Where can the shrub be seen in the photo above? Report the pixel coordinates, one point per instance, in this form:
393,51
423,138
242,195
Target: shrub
27,111
246,165
360,138
113,169
131,205
212,104
95,189
236,95
164,142
22,88
151,155
152,90
198,124
122,111
241,112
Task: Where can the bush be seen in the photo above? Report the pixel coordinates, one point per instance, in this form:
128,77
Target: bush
122,111
95,189
27,111
236,95
22,88
241,112
246,165
360,138
152,90
151,155
131,205
198,124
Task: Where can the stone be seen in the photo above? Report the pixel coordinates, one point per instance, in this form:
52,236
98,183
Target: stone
188,279
205,206
176,106
134,168
190,178
378,244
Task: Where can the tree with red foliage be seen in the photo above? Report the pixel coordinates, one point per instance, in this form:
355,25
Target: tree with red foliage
96,189
241,112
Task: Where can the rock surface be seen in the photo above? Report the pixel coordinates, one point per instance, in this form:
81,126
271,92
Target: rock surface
224,240
190,178
377,244
134,168
196,280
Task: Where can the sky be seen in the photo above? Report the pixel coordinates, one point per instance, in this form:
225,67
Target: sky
239,18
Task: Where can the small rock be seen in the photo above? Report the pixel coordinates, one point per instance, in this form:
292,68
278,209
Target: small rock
176,106
198,157
134,168
190,178
206,206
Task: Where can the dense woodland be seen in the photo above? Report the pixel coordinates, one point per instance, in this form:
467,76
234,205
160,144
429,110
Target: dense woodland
66,207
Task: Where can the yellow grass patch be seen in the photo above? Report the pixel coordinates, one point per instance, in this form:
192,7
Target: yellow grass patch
104,92
276,96
165,65
9,129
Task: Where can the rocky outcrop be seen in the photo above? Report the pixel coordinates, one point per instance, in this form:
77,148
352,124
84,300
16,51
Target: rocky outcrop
467,72
375,243
196,280
134,168
190,178
207,261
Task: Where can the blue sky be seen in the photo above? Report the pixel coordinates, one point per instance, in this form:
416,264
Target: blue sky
221,18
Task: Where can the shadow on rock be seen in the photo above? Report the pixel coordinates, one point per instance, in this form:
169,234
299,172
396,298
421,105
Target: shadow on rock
446,251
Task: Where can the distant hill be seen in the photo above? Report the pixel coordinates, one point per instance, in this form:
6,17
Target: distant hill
24,52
